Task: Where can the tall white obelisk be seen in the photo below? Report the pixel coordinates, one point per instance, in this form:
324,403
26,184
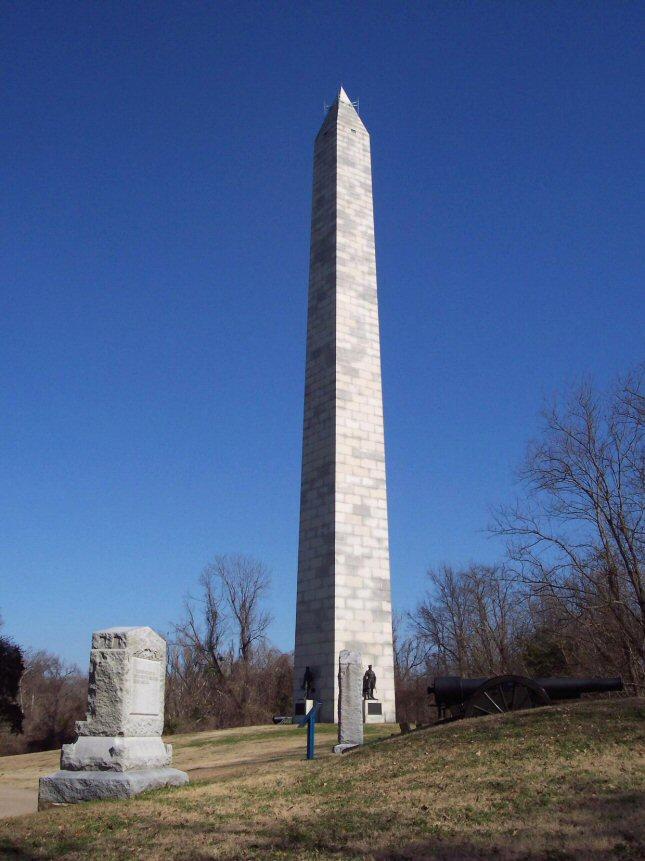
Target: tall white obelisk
343,560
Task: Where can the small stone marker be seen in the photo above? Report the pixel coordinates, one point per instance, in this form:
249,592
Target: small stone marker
350,701
119,751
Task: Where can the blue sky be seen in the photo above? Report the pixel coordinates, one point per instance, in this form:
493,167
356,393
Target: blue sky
156,174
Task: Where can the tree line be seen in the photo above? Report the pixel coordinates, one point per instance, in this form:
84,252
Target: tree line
568,598
41,697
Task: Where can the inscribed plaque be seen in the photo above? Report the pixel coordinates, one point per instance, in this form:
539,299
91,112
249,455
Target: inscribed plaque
145,687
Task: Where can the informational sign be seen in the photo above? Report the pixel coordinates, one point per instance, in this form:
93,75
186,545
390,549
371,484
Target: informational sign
145,687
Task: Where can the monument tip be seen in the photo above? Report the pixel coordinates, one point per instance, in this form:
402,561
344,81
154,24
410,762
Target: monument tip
343,97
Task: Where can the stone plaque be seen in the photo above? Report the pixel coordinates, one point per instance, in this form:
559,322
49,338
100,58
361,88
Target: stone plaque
374,708
145,687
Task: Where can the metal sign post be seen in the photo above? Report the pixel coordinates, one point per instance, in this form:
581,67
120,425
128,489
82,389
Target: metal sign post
310,721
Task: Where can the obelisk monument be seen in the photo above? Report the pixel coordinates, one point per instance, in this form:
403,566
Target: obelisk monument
343,558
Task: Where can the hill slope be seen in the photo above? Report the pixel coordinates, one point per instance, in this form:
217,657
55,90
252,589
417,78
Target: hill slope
561,782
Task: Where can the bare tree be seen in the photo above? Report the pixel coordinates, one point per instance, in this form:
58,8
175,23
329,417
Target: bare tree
578,538
410,673
218,661
53,695
471,621
245,582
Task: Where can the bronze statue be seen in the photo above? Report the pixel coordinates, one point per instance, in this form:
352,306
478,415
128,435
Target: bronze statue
308,683
369,683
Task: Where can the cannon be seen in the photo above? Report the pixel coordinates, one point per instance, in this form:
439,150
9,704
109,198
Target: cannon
488,696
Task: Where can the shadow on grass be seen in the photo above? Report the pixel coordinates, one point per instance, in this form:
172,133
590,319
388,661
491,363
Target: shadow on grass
598,827
595,828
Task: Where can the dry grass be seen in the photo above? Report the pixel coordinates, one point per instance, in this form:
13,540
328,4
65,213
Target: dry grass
556,783
213,755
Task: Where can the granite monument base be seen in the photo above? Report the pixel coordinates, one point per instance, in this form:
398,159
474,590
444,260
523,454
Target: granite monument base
71,787
115,753
343,748
119,751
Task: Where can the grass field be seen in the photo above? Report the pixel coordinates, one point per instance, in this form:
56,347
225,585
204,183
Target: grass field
554,783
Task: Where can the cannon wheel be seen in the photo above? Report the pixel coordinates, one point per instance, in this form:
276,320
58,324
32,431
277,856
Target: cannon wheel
505,694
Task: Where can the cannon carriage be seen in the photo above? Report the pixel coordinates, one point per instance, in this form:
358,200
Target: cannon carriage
457,697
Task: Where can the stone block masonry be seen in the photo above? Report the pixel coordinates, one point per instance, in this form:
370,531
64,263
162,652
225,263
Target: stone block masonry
343,560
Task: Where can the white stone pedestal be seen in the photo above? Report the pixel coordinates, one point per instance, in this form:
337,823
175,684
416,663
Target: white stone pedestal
115,753
119,751
373,711
70,787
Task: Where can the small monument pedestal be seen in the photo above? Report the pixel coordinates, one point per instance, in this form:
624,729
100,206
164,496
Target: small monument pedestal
373,711
303,707
119,751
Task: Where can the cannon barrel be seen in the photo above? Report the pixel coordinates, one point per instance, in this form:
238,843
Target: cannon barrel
569,689
450,691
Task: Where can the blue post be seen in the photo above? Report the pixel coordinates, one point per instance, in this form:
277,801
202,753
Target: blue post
311,738
310,721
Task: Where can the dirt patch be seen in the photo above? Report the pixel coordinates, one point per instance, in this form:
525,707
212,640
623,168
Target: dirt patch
16,802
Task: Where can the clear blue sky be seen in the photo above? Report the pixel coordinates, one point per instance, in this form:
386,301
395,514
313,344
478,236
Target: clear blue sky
156,176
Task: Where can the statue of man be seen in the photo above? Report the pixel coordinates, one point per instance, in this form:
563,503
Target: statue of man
308,683
369,683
